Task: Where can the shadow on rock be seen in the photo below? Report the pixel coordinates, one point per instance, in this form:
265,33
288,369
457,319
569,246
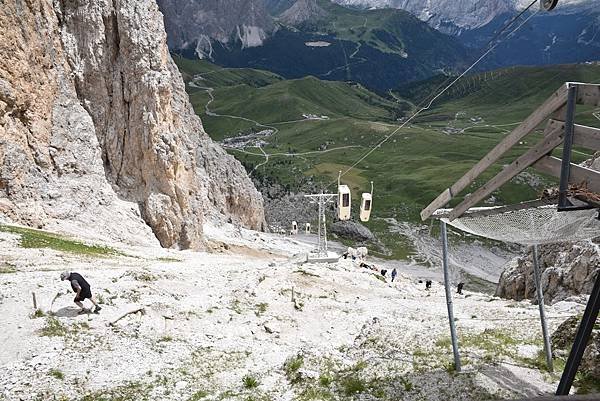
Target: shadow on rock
67,311
507,380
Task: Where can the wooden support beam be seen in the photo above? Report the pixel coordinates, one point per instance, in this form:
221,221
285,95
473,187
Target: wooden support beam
587,93
553,103
587,137
521,163
552,125
560,114
439,202
583,135
551,165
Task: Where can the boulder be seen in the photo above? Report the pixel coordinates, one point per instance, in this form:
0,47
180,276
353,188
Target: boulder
567,270
562,341
352,230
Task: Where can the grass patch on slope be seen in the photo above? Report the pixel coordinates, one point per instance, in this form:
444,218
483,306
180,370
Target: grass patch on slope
214,75
508,93
31,238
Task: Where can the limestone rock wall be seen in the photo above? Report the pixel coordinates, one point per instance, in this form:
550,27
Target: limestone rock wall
567,270
562,341
97,135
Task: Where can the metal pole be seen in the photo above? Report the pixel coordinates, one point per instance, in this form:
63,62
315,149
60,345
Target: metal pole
325,253
567,146
581,339
457,366
540,296
320,217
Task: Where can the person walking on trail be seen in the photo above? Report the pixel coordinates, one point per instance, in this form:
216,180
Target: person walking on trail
82,288
394,274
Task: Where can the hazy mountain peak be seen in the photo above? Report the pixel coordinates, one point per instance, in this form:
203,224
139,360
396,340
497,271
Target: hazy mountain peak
301,11
195,23
453,16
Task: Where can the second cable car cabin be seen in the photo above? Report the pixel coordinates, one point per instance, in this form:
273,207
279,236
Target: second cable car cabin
366,204
344,203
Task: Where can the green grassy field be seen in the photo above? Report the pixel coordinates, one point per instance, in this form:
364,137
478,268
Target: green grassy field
414,165
31,238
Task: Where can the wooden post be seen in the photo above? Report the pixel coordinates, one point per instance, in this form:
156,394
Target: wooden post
34,301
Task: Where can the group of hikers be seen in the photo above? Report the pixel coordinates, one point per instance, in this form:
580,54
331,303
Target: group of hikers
383,272
359,254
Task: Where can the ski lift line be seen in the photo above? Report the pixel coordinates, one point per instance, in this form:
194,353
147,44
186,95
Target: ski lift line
511,22
412,117
504,28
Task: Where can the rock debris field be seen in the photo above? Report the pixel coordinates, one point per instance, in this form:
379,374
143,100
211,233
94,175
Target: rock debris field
247,321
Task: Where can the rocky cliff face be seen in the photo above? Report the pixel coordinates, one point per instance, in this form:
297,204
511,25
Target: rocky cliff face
96,132
302,11
567,270
444,13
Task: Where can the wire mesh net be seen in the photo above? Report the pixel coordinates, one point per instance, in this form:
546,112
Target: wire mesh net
528,225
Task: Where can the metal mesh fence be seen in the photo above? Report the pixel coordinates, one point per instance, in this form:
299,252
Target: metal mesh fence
529,226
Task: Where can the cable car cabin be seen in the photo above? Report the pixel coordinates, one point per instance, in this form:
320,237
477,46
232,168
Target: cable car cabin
365,206
307,230
344,202
294,227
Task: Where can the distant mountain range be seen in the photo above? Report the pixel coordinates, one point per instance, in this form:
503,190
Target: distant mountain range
570,33
456,16
379,43
378,48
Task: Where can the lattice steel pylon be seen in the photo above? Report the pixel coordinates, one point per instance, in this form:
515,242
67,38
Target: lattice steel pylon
322,199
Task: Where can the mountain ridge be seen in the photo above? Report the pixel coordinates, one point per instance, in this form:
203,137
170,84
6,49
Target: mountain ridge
378,48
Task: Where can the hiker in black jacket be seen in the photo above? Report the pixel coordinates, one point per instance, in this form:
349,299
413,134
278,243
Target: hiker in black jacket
82,288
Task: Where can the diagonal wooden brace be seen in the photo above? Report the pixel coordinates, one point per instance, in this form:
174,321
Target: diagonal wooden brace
549,107
549,142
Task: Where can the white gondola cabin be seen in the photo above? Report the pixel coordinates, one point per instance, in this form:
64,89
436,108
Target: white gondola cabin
365,207
294,227
307,229
366,204
344,198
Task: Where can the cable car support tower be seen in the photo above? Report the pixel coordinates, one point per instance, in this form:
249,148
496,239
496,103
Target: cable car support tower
321,254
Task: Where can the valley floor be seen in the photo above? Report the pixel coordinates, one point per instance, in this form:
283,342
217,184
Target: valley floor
249,322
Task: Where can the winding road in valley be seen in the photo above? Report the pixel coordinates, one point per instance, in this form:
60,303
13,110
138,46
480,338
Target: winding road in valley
210,91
